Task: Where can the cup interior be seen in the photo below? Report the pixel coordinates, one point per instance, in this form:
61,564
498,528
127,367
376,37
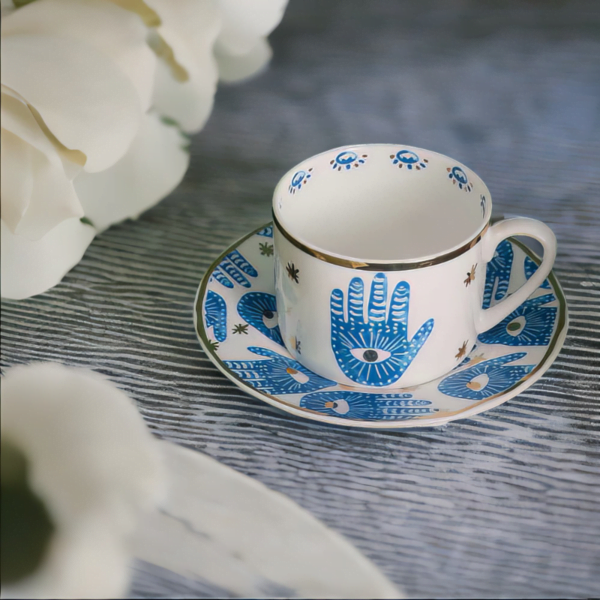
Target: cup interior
382,203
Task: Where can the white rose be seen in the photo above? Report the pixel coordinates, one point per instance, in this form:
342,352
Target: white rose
93,96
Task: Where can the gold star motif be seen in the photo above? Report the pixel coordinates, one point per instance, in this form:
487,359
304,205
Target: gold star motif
266,249
292,272
477,359
470,276
462,350
240,328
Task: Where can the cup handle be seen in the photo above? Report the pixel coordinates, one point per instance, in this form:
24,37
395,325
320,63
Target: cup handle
489,317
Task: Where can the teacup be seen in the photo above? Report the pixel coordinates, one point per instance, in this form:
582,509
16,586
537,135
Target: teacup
380,254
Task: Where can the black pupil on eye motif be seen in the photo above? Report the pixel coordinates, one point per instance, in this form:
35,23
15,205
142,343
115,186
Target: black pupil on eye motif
370,355
268,314
335,405
514,326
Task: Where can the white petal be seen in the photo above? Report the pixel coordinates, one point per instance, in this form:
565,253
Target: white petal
189,28
84,98
151,169
95,466
32,267
19,118
221,527
234,67
244,21
36,193
116,32
17,178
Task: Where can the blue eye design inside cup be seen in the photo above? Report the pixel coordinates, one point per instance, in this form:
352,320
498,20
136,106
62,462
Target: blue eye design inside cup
299,178
408,159
346,160
459,177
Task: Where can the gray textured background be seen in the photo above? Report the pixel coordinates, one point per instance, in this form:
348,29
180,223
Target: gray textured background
502,505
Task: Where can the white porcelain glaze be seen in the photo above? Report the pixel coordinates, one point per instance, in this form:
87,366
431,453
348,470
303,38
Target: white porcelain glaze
380,278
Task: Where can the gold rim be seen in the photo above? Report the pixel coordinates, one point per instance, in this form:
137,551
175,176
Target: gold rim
423,421
375,266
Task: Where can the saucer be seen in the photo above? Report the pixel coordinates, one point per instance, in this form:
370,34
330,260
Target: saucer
235,318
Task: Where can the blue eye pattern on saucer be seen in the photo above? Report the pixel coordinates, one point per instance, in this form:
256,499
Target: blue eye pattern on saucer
367,407
376,351
277,374
459,177
408,159
346,160
259,309
299,178
504,360
486,378
234,268
531,324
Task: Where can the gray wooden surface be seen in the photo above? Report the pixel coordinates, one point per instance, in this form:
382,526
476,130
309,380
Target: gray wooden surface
502,505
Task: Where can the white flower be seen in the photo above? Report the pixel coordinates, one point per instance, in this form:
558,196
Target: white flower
110,492
93,96
94,466
242,48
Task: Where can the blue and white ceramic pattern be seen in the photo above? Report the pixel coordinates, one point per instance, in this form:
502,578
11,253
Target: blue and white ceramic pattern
409,159
237,324
376,350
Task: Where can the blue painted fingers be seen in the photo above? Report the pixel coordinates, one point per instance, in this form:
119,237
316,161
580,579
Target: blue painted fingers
375,351
277,374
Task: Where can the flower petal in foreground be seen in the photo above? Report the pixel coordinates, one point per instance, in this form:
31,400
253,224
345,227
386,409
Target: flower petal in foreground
153,166
89,104
95,467
30,267
231,531
117,33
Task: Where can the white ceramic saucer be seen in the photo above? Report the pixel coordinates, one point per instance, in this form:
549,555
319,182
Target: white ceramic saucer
236,322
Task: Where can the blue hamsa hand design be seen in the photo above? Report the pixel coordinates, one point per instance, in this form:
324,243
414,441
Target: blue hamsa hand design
367,407
486,378
277,374
529,325
498,273
376,351
530,268
234,268
259,309
215,315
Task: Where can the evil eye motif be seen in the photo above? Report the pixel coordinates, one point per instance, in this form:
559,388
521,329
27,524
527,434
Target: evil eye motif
299,178
367,407
531,324
375,351
485,379
459,177
234,268
408,159
215,315
346,160
259,309
277,374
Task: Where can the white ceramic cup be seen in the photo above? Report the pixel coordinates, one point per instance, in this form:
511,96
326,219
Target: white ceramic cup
380,254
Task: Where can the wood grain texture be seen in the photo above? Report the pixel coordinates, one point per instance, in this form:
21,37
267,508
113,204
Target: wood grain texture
503,505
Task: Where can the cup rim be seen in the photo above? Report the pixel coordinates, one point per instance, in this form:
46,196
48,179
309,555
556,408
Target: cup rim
385,264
